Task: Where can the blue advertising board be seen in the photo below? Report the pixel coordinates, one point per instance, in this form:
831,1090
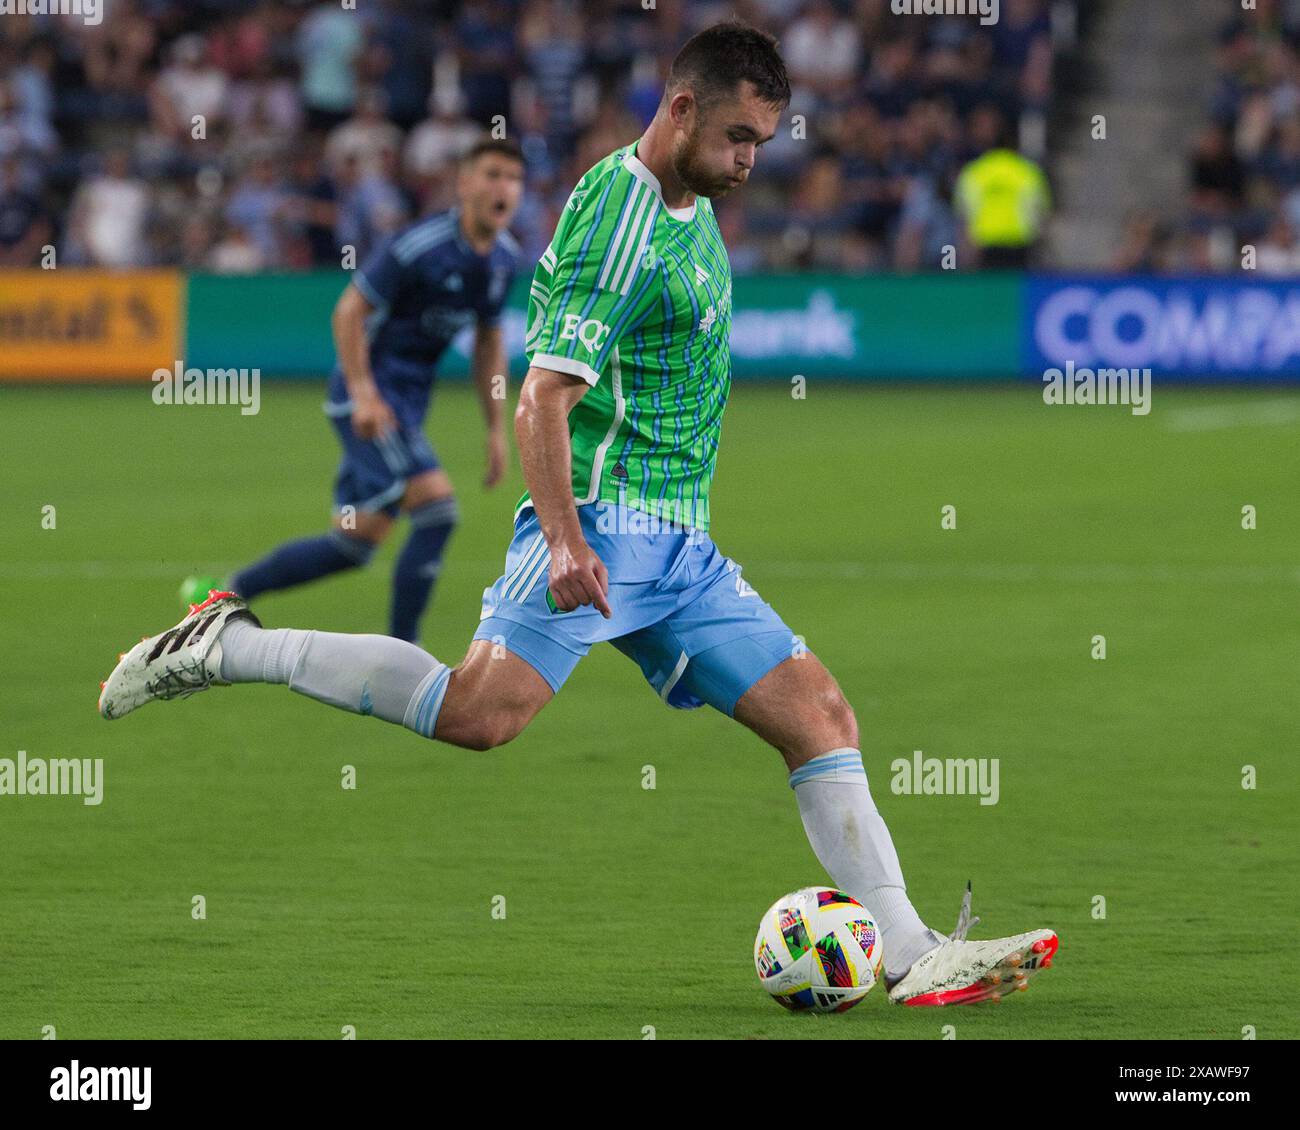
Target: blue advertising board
1213,329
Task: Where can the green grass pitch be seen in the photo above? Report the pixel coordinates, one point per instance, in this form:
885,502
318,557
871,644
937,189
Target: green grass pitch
628,908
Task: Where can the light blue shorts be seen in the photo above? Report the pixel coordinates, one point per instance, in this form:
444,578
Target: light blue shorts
681,610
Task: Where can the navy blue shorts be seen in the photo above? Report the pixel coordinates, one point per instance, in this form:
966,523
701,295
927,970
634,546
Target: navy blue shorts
373,473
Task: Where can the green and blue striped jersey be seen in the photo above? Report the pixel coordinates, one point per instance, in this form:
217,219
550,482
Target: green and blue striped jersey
635,298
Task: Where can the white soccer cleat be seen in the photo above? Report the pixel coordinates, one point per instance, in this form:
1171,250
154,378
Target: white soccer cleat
960,972
182,661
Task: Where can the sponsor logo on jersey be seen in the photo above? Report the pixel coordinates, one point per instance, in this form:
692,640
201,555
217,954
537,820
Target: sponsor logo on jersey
590,332
443,322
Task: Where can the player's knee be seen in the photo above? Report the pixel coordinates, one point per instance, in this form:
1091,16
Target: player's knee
357,551
433,506
431,525
363,532
838,717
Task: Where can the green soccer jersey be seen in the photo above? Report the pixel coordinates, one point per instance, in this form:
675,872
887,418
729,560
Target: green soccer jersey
635,298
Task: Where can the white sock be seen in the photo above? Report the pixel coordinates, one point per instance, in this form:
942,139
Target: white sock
849,837
250,654
389,678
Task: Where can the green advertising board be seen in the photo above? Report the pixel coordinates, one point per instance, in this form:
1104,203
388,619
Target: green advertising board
926,327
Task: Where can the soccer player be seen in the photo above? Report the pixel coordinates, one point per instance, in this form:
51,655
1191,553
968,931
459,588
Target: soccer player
392,324
617,423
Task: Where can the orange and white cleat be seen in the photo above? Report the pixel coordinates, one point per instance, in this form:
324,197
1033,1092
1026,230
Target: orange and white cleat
958,971
180,662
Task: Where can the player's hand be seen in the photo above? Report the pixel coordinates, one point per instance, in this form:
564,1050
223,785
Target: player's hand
496,458
579,577
372,417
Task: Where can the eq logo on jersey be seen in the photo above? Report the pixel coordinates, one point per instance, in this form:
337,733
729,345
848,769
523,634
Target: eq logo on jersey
590,332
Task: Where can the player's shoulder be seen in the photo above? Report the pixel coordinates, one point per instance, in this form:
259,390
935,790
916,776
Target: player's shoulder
424,236
608,181
506,250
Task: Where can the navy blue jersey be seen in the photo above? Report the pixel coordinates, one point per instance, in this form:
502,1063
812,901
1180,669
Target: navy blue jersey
426,284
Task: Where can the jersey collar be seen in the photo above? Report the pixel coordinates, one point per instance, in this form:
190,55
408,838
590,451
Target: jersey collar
637,168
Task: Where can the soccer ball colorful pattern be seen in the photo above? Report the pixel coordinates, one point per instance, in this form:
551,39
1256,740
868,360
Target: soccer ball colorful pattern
818,950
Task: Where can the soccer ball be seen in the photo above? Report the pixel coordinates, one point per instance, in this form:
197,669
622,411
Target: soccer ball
194,590
818,949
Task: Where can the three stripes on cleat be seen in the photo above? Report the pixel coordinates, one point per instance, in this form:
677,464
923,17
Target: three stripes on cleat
178,636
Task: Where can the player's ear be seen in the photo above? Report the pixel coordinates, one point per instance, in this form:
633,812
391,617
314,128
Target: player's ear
682,108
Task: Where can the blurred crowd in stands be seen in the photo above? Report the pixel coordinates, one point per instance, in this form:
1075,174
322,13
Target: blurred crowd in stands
264,135
1243,207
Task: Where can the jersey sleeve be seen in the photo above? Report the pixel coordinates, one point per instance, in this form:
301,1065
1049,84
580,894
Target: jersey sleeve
595,284
381,276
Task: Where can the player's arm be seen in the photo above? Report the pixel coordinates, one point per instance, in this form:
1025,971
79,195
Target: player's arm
371,415
488,363
591,288
577,575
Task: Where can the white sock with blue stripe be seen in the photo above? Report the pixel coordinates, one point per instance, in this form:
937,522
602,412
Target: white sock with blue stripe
849,837
389,678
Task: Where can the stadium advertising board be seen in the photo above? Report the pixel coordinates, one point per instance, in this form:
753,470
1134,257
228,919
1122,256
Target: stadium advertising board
927,327
1209,329
89,325
99,325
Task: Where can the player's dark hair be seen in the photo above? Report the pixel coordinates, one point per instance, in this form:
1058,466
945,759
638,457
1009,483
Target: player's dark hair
503,145
715,61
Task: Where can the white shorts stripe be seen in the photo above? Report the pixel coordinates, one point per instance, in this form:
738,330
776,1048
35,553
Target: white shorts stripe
529,559
543,568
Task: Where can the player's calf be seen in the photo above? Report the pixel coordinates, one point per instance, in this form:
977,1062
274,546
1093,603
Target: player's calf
419,564
493,695
371,526
307,559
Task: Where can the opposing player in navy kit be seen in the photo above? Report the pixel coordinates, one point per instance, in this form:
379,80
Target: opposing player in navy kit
391,325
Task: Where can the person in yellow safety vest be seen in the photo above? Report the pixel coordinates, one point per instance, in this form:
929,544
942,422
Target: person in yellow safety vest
1004,200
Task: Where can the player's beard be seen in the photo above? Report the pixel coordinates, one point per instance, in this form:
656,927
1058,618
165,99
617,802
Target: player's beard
692,171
